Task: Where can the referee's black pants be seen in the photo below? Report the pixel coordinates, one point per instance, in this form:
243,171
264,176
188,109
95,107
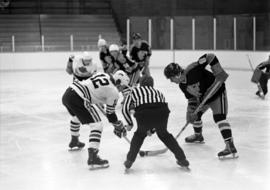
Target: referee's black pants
151,116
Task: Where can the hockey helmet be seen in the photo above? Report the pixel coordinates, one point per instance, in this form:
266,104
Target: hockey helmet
173,69
114,47
121,78
86,58
147,81
101,42
136,36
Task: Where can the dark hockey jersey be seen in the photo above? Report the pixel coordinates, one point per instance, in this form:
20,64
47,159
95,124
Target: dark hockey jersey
264,65
135,51
125,63
106,59
199,79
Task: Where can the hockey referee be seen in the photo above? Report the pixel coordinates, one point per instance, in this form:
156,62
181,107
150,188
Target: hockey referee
151,113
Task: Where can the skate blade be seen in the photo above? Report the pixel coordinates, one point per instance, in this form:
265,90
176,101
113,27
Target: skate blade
196,142
185,168
229,156
97,167
74,149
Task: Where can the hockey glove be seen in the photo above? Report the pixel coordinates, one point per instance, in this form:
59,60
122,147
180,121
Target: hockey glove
128,127
71,58
119,129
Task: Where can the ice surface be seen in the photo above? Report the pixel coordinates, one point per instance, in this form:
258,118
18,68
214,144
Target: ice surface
34,137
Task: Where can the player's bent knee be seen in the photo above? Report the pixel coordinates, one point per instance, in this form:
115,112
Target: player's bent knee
219,117
75,119
96,126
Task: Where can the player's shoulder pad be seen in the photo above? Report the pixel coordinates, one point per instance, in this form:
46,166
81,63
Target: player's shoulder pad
145,42
202,59
190,67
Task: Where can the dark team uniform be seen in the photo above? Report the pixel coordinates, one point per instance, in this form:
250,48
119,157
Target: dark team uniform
198,78
198,85
107,60
198,82
265,75
151,111
140,54
125,64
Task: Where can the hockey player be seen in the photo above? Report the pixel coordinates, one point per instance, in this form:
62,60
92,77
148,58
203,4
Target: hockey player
123,46
81,66
151,113
140,52
124,63
263,72
200,85
105,56
79,99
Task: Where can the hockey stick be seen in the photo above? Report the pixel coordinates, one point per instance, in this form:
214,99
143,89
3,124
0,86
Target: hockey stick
162,151
258,84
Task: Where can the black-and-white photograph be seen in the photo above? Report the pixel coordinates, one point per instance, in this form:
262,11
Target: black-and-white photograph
134,94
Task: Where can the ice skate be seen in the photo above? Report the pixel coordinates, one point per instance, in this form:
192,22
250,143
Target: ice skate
75,144
195,138
260,94
183,163
229,151
94,161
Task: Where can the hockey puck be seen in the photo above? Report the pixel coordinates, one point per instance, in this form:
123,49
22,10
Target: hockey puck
142,153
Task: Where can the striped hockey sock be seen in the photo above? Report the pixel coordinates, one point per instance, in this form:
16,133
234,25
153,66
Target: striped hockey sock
74,128
225,130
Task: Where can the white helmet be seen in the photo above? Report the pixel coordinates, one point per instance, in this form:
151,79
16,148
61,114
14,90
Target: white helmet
121,78
86,56
101,42
114,47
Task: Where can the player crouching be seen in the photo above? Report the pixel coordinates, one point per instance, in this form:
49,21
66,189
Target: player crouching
204,89
82,67
79,99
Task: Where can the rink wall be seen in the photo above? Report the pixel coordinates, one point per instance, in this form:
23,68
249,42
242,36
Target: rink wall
58,60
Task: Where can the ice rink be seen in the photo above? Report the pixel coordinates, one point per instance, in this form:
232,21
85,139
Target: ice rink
34,137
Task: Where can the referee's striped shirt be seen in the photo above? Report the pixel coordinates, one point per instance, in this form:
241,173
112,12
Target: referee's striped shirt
140,96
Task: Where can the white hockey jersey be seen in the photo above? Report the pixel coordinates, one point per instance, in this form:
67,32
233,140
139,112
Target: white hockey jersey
98,89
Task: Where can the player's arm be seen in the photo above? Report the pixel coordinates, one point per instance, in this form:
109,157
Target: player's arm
119,129
219,73
263,65
69,67
217,70
132,52
127,106
146,70
132,64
